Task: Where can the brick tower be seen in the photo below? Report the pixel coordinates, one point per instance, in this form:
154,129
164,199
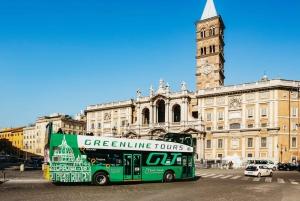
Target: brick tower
210,49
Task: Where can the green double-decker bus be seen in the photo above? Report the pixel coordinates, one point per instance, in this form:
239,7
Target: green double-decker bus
100,160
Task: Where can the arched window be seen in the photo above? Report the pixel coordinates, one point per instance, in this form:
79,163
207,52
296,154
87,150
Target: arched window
235,126
161,111
204,50
212,49
176,114
146,116
202,33
212,31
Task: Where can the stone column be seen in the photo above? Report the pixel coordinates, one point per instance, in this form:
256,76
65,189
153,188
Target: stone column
257,146
138,114
276,109
199,148
243,147
214,147
151,112
271,117
226,146
167,108
270,146
244,113
256,111
276,149
130,116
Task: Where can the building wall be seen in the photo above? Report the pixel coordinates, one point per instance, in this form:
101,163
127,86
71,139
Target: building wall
274,134
253,120
11,140
34,136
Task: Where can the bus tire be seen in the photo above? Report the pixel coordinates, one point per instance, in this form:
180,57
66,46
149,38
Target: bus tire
169,176
100,179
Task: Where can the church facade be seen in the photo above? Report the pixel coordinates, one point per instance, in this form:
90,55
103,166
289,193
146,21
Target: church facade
257,120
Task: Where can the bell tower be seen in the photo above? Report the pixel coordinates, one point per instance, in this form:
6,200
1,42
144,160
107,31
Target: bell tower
210,49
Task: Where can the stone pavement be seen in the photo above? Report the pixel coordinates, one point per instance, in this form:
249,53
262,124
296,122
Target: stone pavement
13,174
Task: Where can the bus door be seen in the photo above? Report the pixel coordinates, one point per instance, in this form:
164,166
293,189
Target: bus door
187,170
132,166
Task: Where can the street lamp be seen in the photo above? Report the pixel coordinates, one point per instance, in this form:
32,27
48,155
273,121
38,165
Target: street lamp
26,150
281,150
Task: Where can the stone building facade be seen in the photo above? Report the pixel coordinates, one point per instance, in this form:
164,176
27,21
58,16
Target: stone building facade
11,141
34,136
258,120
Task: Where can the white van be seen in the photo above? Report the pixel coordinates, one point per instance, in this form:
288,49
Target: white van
270,164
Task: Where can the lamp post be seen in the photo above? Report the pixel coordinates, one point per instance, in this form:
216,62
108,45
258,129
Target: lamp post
26,150
281,149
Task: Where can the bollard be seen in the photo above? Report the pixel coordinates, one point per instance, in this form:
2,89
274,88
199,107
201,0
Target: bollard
43,167
21,167
3,174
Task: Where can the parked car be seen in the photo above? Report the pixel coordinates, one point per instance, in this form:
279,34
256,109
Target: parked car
258,171
270,164
287,166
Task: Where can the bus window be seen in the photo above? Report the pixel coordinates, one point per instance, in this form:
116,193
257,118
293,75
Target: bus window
127,161
137,164
179,160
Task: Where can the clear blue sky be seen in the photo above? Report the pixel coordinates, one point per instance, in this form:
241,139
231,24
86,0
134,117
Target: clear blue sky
61,56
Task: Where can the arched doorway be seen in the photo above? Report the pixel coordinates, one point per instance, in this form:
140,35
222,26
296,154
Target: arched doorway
176,113
161,111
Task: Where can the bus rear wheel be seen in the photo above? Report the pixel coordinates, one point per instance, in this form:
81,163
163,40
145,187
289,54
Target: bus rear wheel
169,176
100,179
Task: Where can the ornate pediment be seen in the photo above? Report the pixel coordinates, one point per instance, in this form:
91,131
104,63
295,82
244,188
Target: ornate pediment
158,97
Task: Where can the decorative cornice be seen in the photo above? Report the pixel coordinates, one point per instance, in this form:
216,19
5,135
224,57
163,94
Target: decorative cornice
274,128
222,131
274,84
250,129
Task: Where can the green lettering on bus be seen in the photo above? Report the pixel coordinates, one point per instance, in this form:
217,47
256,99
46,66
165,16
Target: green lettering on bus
105,143
141,145
97,142
173,160
114,143
164,160
148,146
157,160
122,144
87,142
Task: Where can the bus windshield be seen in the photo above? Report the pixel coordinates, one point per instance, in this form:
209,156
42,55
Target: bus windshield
179,138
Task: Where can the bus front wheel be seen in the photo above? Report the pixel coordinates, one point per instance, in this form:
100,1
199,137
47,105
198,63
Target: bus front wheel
169,176
100,179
